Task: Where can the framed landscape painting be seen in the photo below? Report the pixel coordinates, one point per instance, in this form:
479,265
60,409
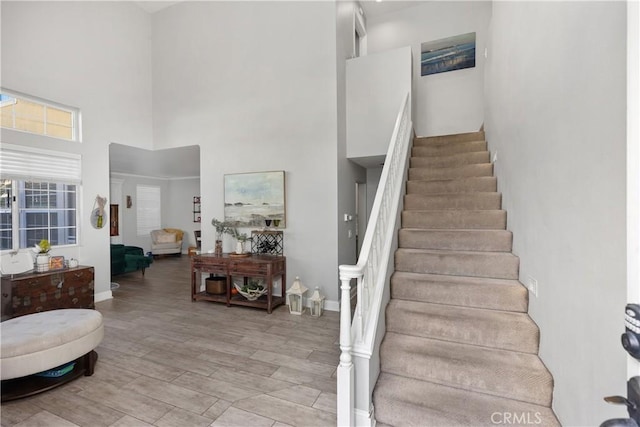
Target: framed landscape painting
255,199
452,53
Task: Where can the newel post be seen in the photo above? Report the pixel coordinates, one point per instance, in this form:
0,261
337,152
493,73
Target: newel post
345,386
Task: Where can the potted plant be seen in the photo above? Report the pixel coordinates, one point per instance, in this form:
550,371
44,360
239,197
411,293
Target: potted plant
42,255
222,227
240,239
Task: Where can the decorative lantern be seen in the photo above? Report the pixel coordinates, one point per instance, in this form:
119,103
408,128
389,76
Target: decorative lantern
295,293
317,302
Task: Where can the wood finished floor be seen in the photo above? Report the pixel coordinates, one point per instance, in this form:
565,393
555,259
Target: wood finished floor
167,361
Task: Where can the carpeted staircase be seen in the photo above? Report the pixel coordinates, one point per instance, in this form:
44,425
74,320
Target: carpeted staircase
460,348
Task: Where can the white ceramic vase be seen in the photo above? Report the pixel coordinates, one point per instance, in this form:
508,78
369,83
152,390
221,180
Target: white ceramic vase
239,247
42,263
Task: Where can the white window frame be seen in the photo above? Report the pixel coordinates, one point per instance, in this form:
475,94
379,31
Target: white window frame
20,163
76,128
148,209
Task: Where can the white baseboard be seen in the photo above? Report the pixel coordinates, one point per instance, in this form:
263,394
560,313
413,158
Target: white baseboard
364,418
331,305
103,296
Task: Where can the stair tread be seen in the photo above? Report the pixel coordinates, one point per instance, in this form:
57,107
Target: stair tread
463,179
453,211
454,219
455,230
461,167
446,252
502,265
457,194
429,150
480,281
471,325
482,200
456,185
447,139
485,240
401,398
518,375
480,292
478,156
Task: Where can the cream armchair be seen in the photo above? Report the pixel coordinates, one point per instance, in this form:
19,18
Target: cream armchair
166,241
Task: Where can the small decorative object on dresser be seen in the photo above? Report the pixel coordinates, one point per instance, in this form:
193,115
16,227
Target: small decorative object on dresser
56,263
221,228
251,289
42,256
267,242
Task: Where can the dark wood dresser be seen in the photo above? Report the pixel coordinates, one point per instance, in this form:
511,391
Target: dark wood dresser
34,292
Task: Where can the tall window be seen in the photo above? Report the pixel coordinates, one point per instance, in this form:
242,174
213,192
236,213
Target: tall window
38,197
148,209
39,210
29,114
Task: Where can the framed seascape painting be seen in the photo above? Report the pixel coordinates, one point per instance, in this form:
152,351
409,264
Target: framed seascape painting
452,53
255,199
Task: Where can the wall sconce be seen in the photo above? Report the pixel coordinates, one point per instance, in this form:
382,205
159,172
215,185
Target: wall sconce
317,303
295,293
129,203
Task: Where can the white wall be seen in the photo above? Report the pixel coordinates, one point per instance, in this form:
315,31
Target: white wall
555,113
633,164
443,103
94,56
377,85
348,172
178,209
254,84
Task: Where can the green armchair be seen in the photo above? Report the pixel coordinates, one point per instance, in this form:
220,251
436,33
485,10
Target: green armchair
125,259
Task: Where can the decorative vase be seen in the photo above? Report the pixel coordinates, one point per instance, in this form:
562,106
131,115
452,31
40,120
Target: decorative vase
218,249
42,263
239,247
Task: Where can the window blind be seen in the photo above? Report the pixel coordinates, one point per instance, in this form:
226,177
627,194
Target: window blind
34,164
148,209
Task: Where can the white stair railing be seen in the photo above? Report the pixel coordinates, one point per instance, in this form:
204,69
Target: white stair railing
360,338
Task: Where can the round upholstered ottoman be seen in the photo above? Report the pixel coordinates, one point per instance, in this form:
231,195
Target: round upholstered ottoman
37,342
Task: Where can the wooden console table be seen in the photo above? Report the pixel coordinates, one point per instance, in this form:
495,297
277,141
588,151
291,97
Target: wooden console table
262,266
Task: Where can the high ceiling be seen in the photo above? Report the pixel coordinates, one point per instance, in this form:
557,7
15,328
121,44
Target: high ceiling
374,8
371,7
185,161
154,5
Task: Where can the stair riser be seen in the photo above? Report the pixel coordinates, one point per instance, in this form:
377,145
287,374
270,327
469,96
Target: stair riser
451,219
447,139
480,200
450,161
403,399
508,374
451,148
462,324
467,171
456,240
489,264
487,184
494,296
